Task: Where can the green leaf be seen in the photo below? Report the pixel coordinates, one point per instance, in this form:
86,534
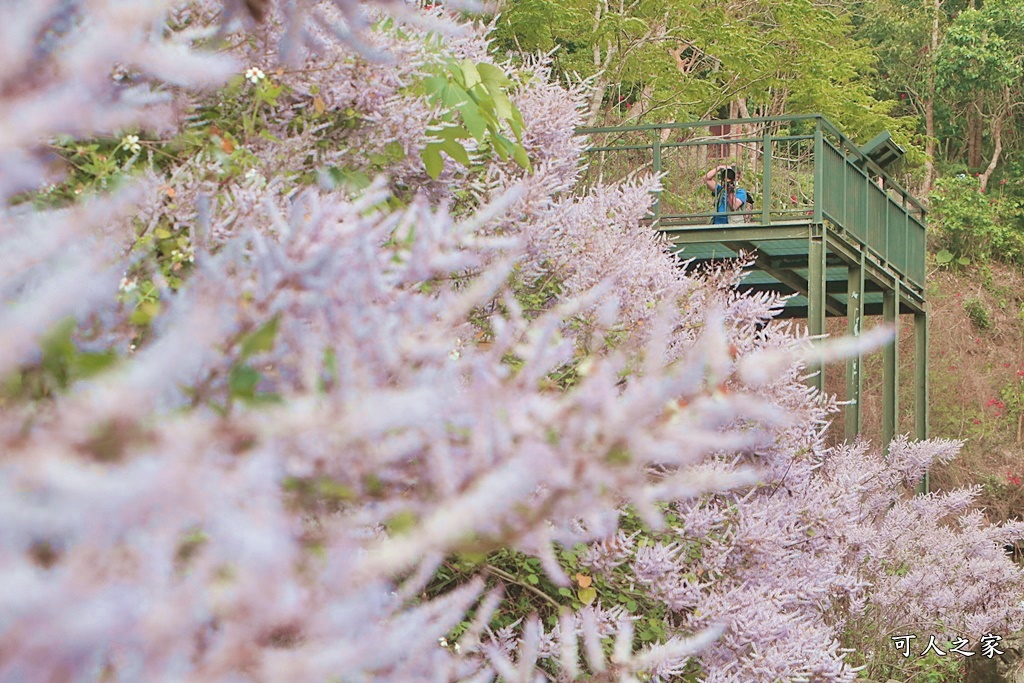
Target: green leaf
493,77
144,314
328,488
434,85
343,177
587,595
502,145
401,522
432,160
58,348
89,364
944,257
452,95
503,105
261,340
394,151
456,151
469,71
242,381
521,157
474,120
452,133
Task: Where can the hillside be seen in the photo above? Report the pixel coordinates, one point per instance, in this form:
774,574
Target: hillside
977,381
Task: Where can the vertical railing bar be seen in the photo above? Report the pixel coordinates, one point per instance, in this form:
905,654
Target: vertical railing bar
888,256
766,177
656,151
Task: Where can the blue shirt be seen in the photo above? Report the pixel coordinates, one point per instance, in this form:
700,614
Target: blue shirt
720,218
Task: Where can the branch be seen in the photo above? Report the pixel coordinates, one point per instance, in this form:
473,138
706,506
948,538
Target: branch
511,579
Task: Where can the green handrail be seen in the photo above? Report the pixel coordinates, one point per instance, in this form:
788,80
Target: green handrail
889,223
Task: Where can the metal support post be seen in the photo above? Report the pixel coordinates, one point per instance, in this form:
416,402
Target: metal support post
890,367
816,253
854,366
656,149
921,385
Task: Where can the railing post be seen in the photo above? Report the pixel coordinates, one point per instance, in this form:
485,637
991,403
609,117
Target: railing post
886,254
656,149
846,184
905,241
867,210
818,171
854,366
766,177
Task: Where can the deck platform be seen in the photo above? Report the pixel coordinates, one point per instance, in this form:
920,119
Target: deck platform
828,226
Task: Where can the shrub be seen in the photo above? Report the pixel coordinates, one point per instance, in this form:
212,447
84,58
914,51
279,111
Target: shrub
394,422
968,225
978,313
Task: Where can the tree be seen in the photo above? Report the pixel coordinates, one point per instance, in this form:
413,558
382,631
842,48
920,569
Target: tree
683,60
906,37
979,66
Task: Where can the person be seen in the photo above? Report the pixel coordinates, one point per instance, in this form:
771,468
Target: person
730,194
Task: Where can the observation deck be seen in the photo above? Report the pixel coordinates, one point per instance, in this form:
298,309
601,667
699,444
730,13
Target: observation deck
828,226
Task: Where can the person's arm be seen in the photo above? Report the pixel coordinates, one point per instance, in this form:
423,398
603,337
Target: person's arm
709,178
737,198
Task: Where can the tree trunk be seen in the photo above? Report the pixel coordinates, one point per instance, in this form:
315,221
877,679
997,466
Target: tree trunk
997,139
601,67
596,98
929,107
975,125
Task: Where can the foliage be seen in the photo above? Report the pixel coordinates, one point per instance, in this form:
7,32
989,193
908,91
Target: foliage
399,422
978,313
967,224
478,93
981,51
682,60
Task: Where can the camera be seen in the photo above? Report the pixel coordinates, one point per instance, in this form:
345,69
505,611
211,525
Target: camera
727,176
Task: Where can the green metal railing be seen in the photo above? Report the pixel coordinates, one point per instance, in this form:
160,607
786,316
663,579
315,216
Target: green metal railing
797,169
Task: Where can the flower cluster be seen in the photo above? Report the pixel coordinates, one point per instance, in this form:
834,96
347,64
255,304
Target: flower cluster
131,143
357,382
997,404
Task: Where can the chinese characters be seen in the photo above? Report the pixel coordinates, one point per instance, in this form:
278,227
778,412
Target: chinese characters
988,646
